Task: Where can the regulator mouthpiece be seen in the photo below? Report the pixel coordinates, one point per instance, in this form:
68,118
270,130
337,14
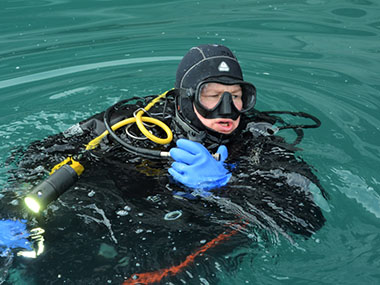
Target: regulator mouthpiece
50,189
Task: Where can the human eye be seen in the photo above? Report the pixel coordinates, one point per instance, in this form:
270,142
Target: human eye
211,95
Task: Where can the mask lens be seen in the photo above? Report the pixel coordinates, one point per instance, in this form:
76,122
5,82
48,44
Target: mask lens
208,96
249,97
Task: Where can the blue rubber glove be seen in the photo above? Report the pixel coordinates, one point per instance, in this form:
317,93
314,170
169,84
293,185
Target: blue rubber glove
195,167
13,234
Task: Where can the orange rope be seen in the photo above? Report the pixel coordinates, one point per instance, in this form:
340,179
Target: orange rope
157,276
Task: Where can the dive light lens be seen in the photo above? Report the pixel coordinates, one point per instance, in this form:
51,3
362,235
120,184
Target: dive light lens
32,204
50,189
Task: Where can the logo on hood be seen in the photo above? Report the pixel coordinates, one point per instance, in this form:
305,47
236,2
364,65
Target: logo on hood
223,67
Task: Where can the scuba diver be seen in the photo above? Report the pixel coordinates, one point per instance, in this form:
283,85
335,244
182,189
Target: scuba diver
168,178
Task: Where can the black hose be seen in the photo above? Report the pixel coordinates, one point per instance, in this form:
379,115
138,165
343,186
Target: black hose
298,129
297,114
148,153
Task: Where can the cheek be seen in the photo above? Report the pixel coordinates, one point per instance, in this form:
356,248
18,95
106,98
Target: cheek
238,104
207,122
236,123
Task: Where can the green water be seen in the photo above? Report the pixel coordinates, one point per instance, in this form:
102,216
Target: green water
64,60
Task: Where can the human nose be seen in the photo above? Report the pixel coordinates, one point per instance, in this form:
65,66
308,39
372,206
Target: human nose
225,107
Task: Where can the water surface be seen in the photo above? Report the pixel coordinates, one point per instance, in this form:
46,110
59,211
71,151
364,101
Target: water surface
63,60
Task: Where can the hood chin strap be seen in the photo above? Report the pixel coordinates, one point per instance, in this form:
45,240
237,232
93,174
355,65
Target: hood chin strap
191,132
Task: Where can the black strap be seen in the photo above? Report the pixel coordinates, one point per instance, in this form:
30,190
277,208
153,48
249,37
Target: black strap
298,129
317,122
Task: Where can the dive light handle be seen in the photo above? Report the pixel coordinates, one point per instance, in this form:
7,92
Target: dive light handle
54,186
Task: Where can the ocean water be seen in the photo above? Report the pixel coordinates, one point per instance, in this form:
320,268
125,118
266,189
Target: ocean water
64,60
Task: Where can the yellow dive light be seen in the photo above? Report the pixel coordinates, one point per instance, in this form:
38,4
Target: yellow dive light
62,177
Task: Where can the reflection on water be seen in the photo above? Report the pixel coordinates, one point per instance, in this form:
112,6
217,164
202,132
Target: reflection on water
74,69
37,239
104,220
355,187
249,216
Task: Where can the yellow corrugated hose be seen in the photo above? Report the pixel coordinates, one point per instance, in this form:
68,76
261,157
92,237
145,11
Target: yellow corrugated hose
139,119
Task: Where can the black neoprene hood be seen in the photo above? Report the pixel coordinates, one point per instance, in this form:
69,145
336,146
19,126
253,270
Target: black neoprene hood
203,64
207,61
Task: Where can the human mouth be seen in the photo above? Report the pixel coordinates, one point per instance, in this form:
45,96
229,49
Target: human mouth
225,126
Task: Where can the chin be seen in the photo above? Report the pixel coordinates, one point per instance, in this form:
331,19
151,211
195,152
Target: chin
223,131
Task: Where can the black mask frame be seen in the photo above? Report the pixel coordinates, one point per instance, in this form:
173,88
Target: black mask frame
225,107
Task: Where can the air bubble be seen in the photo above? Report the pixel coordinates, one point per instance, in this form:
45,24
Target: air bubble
173,215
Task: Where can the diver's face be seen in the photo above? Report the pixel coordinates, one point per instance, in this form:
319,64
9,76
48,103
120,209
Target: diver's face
210,96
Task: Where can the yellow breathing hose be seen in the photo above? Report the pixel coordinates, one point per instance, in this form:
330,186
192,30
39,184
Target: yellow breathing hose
139,119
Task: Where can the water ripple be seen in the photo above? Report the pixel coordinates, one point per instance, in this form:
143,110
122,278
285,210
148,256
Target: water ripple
356,188
80,68
316,56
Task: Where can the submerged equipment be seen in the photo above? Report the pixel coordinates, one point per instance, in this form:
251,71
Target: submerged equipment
65,174
158,275
13,234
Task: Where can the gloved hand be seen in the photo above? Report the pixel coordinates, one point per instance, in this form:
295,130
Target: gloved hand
13,234
195,167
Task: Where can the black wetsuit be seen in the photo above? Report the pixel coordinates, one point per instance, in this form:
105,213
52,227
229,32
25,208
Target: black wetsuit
124,203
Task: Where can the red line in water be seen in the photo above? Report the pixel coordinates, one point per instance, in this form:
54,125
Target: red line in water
157,276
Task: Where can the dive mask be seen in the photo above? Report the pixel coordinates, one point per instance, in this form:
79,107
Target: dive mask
212,105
